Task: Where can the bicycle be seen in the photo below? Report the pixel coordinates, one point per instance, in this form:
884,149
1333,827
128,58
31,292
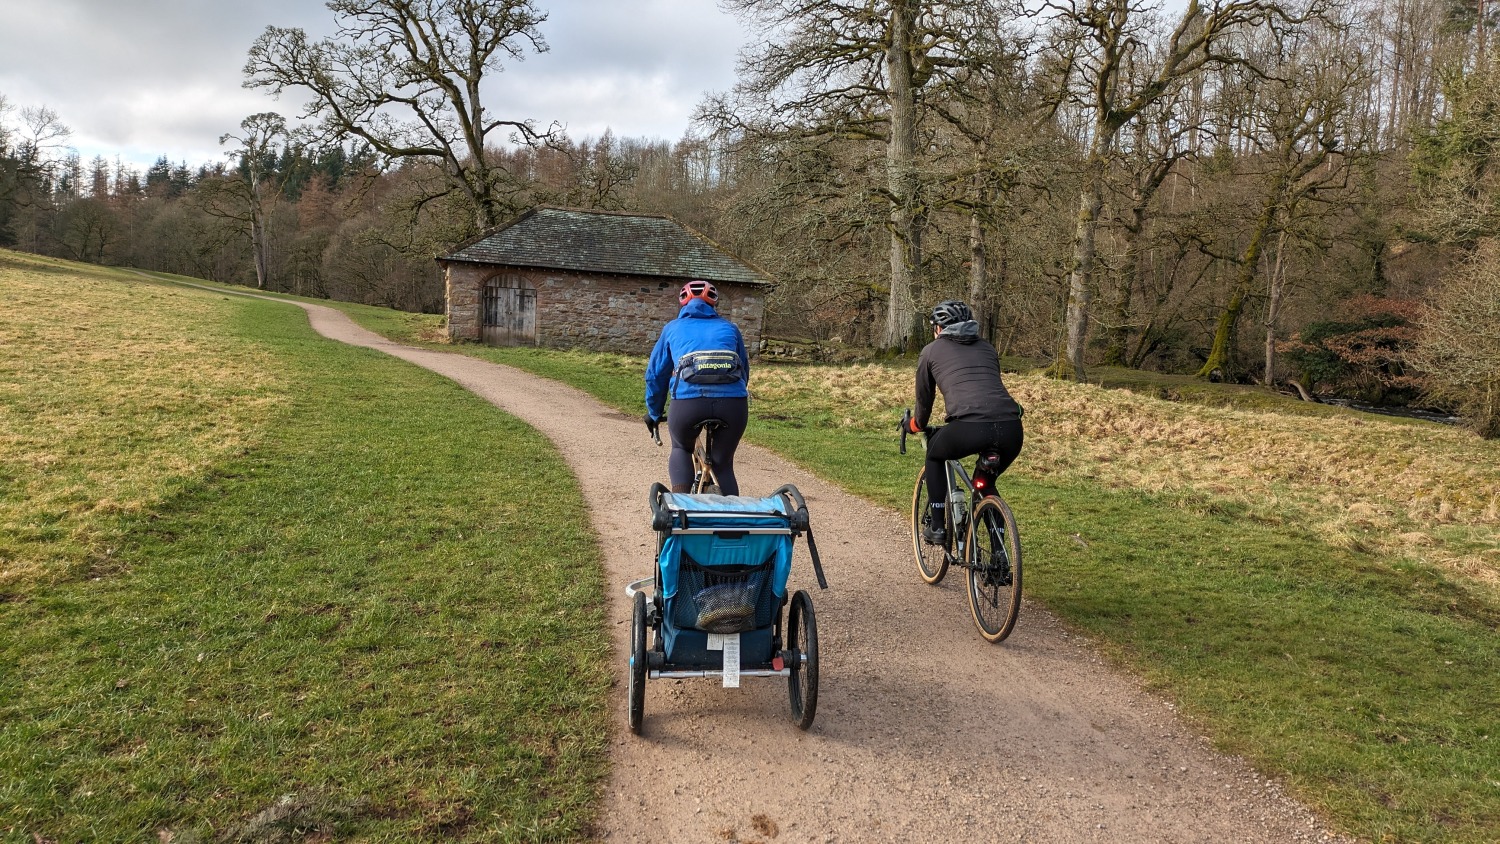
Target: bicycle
979,534
705,482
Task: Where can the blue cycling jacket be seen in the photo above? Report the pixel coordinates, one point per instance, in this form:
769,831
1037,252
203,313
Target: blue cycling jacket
698,328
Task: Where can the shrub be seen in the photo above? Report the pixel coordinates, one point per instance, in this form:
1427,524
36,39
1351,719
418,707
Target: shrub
1459,341
1363,354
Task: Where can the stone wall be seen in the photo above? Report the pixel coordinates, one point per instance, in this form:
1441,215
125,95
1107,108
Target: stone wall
601,313
464,284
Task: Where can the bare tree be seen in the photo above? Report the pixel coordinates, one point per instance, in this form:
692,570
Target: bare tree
33,152
1161,138
1459,345
855,71
86,230
993,143
1308,136
248,192
408,76
1106,41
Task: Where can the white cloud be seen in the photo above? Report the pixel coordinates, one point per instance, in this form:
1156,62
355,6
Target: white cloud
150,78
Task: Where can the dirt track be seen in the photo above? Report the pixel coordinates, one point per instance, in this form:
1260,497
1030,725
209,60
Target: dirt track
924,731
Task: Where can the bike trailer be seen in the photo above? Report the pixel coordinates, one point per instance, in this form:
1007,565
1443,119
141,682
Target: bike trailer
719,590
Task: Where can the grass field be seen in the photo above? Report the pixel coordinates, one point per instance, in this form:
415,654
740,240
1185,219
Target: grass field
1315,588
251,581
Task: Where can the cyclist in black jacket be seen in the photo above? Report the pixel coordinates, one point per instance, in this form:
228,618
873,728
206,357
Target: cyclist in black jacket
981,414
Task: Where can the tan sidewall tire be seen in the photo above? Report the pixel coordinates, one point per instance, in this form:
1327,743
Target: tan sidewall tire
1013,538
918,547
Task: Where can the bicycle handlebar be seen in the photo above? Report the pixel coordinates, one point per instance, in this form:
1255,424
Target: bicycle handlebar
906,429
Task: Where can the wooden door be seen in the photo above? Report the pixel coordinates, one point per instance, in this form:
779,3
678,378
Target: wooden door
509,312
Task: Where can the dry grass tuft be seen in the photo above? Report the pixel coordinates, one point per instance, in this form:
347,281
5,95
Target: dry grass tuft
109,390
1365,482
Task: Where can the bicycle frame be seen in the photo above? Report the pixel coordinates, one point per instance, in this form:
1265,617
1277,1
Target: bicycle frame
961,500
962,497
703,463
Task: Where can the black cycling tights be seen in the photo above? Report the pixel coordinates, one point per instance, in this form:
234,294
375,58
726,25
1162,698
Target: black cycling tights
683,416
957,440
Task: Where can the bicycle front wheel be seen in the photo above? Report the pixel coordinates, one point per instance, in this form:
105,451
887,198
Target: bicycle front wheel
932,560
994,568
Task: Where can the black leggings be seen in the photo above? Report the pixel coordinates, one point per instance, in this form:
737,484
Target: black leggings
957,440
686,414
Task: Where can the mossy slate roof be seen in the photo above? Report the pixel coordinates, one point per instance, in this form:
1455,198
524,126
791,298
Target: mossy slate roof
608,242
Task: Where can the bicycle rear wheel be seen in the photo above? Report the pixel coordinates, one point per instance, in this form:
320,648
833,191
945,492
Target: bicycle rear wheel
932,560
994,568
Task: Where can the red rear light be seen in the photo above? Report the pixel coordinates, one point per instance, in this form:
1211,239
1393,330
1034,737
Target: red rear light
979,483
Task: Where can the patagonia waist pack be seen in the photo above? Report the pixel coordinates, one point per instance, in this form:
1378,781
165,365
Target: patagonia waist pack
719,366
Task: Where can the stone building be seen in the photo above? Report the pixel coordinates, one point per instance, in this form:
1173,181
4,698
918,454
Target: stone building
598,280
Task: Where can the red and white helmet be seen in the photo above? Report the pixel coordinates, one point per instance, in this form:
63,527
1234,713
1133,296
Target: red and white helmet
698,290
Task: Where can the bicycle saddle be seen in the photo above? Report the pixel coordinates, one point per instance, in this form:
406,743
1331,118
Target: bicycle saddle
989,462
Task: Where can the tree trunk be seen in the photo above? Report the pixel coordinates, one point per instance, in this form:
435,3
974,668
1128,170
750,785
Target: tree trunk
1216,368
1130,272
1001,277
1080,278
1273,307
259,247
1219,353
977,269
259,242
901,180
1118,331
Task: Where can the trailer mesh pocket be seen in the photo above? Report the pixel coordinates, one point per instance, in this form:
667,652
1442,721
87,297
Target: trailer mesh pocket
724,599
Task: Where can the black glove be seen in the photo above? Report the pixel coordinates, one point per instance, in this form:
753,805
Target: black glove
651,424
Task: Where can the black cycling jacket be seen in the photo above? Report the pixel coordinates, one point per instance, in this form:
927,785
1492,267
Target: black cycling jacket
968,373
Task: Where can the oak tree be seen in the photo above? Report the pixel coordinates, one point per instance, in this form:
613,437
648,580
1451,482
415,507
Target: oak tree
408,77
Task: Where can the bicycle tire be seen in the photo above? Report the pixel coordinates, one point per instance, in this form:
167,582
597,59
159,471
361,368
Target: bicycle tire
802,640
994,551
638,664
932,560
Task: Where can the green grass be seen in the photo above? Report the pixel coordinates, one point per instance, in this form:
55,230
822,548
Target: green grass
1369,683
1314,589
346,621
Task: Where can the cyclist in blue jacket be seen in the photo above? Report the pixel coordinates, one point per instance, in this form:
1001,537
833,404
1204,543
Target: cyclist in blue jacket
699,362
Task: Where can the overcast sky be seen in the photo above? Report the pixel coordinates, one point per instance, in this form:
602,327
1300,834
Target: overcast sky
140,79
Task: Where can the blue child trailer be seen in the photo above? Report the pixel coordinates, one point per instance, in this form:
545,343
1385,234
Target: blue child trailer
718,597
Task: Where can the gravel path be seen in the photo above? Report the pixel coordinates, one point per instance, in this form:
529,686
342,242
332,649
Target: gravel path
924,731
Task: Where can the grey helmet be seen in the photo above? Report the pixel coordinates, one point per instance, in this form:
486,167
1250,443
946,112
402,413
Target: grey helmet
950,312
